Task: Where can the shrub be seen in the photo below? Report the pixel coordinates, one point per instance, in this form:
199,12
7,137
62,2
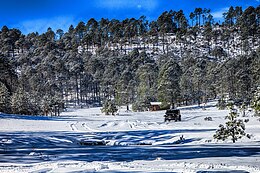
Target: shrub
109,107
234,128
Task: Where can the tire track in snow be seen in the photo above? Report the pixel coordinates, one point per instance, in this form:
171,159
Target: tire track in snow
132,124
73,126
88,128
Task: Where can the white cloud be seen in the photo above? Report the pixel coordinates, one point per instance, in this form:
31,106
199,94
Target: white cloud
41,25
126,4
219,14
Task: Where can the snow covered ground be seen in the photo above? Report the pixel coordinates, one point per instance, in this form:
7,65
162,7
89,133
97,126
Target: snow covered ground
85,140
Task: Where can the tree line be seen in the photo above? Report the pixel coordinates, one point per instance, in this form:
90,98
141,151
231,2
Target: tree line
173,59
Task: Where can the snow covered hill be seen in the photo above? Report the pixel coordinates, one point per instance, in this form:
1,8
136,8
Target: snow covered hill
216,48
85,140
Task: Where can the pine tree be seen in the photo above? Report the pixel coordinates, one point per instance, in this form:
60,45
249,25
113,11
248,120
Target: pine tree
109,107
4,99
256,102
168,84
125,88
234,128
147,75
20,103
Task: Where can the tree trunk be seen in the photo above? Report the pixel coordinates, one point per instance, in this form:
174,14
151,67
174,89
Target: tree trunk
81,88
77,90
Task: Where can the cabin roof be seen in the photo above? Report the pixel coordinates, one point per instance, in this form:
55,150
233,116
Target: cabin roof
155,103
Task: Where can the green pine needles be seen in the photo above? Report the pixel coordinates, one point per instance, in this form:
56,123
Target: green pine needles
4,98
256,102
233,129
109,107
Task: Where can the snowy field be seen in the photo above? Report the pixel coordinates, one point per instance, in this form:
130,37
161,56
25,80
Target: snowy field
87,141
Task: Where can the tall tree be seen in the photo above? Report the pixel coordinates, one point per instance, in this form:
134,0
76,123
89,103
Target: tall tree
80,30
4,99
146,89
192,16
168,84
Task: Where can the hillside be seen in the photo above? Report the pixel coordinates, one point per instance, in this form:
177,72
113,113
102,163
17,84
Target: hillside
174,60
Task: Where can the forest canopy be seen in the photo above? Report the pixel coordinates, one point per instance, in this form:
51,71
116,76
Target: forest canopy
174,59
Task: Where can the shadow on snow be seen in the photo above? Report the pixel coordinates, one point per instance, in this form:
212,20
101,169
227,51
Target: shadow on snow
27,147
36,117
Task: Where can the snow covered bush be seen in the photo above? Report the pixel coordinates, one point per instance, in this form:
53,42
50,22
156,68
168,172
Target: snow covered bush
141,105
109,107
234,128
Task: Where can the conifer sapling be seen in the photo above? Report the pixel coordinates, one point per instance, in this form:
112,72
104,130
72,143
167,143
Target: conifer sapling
234,128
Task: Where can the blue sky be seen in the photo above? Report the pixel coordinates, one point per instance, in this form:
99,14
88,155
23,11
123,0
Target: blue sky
38,15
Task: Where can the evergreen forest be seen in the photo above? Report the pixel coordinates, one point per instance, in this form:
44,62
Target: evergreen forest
177,59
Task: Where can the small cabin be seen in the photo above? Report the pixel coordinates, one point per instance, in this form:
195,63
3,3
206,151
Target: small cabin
155,106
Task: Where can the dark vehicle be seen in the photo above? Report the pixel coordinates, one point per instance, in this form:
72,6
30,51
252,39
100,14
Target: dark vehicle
172,114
